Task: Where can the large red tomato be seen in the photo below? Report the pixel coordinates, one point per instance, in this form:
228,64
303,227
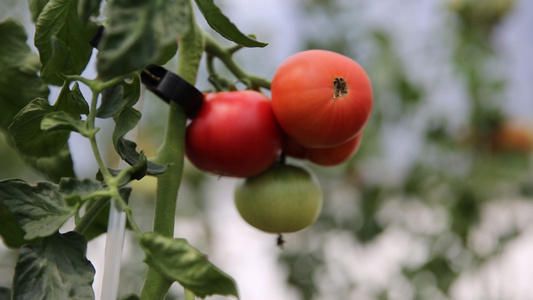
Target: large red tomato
234,134
321,98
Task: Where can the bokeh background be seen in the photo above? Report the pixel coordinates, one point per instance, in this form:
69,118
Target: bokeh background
437,203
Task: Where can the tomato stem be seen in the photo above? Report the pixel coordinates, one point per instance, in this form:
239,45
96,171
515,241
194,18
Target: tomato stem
212,47
172,153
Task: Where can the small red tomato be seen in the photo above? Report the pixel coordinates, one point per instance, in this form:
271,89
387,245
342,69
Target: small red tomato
321,98
334,156
234,134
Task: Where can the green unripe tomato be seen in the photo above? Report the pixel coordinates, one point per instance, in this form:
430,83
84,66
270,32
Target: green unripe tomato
282,199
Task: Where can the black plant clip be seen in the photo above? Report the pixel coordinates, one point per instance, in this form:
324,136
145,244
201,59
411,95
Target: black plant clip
166,85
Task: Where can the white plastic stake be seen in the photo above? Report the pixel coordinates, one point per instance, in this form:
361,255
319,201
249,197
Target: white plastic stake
113,252
116,230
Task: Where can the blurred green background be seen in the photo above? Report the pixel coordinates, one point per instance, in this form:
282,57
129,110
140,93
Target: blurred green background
437,202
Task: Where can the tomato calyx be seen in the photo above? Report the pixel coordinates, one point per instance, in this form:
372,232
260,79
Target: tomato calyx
340,87
280,241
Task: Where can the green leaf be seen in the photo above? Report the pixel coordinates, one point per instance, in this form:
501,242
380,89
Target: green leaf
221,24
40,210
130,297
61,120
57,269
111,102
19,83
118,96
11,232
36,6
74,190
5,293
177,260
166,53
62,40
137,33
126,120
127,150
72,101
53,167
28,136
88,8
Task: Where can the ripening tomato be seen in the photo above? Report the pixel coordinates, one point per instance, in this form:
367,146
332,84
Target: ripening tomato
321,98
326,157
234,134
513,136
282,199
336,155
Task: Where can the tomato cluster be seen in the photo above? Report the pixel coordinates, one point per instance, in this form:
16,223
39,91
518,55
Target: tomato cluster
321,102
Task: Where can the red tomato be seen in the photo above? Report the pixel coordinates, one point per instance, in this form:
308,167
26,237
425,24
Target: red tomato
321,98
336,155
293,149
234,134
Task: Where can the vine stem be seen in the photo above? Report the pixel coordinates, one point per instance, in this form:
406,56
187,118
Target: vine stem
172,153
212,47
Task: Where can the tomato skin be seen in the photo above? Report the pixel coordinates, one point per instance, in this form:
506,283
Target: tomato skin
304,100
282,199
234,134
337,155
293,149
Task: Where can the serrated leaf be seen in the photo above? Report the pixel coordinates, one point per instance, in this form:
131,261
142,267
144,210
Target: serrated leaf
111,102
62,40
88,8
72,101
74,190
137,32
177,260
19,83
61,120
57,269
221,24
125,121
10,231
28,136
40,210
127,151
53,167
118,96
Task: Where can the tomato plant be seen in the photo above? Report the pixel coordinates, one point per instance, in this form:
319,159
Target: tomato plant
234,134
283,199
321,98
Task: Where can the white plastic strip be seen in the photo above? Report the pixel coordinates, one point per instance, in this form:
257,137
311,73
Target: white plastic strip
116,230
113,252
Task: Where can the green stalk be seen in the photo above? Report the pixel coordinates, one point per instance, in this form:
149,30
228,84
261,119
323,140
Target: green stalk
172,154
226,56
